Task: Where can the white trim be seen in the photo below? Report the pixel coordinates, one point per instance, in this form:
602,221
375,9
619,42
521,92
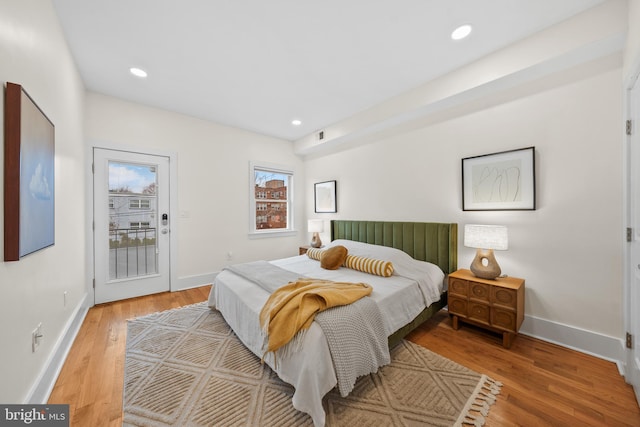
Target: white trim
272,233
41,389
195,281
589,342
273,167
173,211
173,207
629,310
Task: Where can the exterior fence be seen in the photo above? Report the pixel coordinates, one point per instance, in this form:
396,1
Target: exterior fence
132,252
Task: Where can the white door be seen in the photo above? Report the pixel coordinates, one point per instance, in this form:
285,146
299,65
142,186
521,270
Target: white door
131,224
633,308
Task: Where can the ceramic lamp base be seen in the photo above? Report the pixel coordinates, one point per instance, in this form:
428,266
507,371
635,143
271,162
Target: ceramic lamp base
315,241
484,265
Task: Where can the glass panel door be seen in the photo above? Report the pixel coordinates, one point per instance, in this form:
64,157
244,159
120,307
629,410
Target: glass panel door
133,220
131,224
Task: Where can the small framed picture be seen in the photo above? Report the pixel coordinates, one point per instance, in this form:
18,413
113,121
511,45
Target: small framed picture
499,181
325,197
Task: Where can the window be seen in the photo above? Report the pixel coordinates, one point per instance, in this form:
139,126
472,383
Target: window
139,204
139,224
271,199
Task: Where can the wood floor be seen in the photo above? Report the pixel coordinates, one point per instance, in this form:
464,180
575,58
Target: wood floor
544,384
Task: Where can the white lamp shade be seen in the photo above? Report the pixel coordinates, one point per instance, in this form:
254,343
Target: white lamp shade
315,226
486,237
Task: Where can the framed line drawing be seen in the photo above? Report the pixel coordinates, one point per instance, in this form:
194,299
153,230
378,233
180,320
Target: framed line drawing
29,203
325,197
499,181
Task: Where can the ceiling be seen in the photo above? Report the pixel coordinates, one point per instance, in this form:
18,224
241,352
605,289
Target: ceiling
258,65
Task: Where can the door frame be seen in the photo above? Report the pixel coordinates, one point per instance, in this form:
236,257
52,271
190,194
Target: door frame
173,209
630,311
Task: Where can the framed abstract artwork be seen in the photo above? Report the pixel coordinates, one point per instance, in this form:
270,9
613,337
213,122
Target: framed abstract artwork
499,181
29,202
325,197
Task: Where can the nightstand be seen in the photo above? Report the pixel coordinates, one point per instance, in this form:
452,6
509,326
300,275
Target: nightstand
497,305
303,249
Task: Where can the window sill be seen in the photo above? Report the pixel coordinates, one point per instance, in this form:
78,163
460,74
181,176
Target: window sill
267,234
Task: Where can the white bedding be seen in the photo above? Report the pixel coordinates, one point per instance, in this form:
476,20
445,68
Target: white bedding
401,297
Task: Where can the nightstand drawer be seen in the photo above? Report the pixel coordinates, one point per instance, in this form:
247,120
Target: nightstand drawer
458,287
479,313
479,292
504,297
503,319
457,306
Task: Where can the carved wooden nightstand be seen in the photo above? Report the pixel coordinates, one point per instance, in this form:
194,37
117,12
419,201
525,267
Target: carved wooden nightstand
496,304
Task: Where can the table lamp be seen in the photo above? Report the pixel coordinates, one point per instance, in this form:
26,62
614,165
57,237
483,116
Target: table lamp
315,226
486,238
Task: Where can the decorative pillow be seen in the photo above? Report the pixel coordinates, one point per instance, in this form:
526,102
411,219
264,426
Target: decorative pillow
333,258
369,265
315,253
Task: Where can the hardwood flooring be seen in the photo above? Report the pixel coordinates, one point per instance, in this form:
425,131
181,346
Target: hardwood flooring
92,378
544,384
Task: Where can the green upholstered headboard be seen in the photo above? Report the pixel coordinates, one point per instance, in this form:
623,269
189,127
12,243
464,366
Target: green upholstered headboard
434,242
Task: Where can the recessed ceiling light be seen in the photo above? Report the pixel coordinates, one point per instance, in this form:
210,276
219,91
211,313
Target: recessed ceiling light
138,72
461,32
296,122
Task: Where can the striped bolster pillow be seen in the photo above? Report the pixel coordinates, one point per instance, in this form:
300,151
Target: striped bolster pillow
314,253
366,265
369,265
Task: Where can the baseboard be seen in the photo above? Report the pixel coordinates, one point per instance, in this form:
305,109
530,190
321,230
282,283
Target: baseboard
41,390
189,282
588,342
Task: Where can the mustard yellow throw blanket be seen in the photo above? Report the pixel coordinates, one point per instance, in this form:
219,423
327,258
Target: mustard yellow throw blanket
292,307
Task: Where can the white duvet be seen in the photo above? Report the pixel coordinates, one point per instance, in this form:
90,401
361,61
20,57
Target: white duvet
401,297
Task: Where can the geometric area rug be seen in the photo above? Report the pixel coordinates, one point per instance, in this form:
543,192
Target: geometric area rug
186,367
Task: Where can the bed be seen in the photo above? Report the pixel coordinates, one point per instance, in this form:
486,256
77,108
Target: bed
422,255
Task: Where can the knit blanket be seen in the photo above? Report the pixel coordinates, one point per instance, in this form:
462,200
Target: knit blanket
357,341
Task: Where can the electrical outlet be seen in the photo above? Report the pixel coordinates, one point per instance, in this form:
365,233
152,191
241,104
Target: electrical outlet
229,256
65,298
36,336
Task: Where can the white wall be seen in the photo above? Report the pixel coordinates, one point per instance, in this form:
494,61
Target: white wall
34,54
569,249
213,181
559,91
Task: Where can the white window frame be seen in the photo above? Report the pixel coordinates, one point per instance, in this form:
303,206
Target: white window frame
275,168
138,225
140,203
